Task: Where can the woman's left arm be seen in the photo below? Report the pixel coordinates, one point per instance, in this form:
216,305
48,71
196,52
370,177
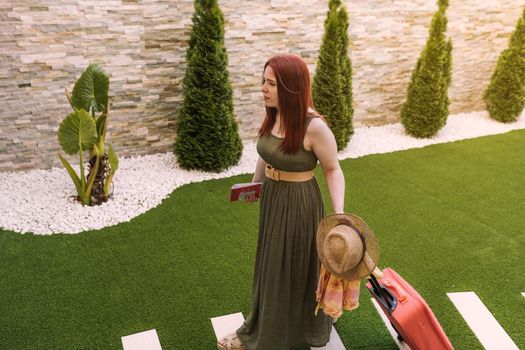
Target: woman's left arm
323,144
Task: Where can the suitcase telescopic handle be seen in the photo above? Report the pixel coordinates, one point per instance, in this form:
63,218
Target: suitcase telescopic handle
386,298
378,290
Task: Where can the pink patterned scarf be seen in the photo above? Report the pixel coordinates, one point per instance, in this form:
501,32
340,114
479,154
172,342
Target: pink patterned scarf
336,294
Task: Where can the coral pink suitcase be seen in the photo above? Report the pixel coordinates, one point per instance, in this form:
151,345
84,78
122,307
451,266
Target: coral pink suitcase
408,312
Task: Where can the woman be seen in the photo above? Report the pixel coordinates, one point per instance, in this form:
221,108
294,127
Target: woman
292,138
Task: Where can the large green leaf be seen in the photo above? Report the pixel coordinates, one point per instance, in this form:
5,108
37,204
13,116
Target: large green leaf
112,159
101,121
76,129
72,173
91,89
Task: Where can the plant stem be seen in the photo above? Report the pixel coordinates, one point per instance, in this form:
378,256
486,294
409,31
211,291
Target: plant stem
82,177
94,172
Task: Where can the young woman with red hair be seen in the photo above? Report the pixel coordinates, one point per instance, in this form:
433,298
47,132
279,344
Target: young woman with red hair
292,139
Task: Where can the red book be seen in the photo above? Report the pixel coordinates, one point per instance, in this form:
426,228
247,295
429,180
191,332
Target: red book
240,191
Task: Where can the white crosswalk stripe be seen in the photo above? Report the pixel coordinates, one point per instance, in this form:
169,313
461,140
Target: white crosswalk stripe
147,340
224,325
489,332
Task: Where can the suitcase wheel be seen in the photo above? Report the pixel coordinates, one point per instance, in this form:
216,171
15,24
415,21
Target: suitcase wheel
399,336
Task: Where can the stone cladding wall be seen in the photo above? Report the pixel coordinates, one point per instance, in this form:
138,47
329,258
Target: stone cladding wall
46,44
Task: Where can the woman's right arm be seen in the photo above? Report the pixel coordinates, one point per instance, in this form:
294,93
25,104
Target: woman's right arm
257,177
259,171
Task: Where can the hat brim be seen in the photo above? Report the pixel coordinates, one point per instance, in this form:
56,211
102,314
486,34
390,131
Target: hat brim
369,261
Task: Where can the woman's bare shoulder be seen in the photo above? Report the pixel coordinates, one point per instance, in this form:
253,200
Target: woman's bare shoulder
317,125
316,132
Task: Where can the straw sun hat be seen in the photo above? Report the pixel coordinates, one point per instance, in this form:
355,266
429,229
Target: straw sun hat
346,246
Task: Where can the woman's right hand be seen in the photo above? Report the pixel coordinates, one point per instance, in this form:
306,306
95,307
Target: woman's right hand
251,198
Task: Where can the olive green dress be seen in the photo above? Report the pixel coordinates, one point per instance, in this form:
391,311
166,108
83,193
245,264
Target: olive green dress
287,265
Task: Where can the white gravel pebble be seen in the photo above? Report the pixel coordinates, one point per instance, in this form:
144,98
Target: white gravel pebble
39,201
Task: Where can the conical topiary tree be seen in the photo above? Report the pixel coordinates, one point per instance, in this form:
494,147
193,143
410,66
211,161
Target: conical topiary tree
505,95
332,83
207,136
346,72
447,80
425,111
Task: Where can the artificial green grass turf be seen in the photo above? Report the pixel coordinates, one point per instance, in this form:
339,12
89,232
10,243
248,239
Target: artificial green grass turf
448,218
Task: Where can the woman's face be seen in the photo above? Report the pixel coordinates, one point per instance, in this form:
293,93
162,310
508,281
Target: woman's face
269,88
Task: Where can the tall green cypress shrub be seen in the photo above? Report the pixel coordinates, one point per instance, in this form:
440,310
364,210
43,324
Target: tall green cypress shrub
346,72
332,83
425,111
207,136
447,79
505,95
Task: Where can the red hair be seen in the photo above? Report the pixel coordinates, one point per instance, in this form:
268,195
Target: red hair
294,98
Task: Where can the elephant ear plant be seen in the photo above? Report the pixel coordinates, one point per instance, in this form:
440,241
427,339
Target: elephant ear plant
84,129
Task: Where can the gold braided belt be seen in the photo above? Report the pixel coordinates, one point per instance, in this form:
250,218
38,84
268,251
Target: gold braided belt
292,176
